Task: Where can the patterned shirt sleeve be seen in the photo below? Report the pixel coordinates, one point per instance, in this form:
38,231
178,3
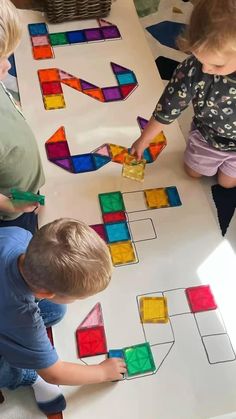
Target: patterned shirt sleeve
179,92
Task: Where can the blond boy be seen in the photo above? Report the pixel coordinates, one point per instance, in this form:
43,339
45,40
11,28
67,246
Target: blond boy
208,79
63,262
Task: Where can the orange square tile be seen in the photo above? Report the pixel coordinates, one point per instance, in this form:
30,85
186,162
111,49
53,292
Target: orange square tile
43,52
49,74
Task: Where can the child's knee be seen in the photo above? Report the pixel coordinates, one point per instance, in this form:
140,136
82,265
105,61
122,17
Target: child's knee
191,172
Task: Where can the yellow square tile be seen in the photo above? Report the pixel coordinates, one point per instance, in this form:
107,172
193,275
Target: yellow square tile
153,309
54,102
133,169
122,253
156,198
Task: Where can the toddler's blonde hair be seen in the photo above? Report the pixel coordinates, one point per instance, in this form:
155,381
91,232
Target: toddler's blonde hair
212,27
68,258
10,28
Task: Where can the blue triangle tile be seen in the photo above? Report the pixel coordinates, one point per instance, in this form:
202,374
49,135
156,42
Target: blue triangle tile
100,161
166,32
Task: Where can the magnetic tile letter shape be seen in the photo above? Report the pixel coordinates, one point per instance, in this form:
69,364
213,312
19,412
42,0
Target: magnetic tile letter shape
111,202
156,198
91,341
122,253
139,359
153,310
133,169
117,232
200,298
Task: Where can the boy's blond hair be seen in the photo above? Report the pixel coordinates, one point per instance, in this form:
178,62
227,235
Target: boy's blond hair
10,28
68,258
212,27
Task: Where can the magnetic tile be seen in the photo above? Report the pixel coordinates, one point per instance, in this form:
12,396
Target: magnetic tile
12,70
156,149
103,22
58,136
139,359
57,39
159,138
75,37
83,163
73,83
111,202
116,149
55,416
122,253
40,40
91,341
200,298
65,164
114,217
100,230
57,150
133,169
42,52
95,93
156,198
37,29
103,150
95,34
54,102
116,68
219,348
116,353
63,75
120,157
100,161
51,88
110,32
142,122
225,202
147,156
173,196
142,230
19,195
86,85
50,335
126,78
49,74
117,232
166,67
166,32
93,318
127,89
111,93
153,310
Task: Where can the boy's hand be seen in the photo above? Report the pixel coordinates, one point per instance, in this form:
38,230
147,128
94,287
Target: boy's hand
138,148
25,206
112,369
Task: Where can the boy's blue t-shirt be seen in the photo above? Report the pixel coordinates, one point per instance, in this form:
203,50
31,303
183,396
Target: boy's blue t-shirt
23,338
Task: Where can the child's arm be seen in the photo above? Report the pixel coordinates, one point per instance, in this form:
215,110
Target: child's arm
7,206
152,129
68,373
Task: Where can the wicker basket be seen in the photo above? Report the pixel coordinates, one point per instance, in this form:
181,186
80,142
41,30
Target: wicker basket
61,10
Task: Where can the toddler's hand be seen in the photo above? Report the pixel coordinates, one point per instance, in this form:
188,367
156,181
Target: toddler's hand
25,206
138,148
112,369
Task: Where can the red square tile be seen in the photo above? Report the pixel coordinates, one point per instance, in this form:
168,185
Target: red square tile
91,341
113,217
57,150
200,298
51,88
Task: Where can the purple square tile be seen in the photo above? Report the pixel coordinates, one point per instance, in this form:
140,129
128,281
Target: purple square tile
93,34
111,93
110,32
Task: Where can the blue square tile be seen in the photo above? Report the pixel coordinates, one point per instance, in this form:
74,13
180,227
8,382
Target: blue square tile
173,196
83,163
115,353
38,29
75,37
126,78
117,232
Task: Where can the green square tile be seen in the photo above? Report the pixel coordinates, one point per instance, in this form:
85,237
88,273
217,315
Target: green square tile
111,202
59,38
139,359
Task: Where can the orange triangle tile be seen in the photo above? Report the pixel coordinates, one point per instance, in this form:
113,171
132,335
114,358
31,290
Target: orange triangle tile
58,136
95,93
115,150
155,149
120,158
74,83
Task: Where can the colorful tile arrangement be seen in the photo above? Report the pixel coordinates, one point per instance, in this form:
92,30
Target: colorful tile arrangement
153,310
90,335
139,359
58,150
43,42
200,298
133,169
50,80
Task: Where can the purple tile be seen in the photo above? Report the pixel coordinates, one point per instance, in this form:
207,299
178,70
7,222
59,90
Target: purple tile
116,68
111,94
93,34
110,32
64,164
142,122
100,230
86,85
